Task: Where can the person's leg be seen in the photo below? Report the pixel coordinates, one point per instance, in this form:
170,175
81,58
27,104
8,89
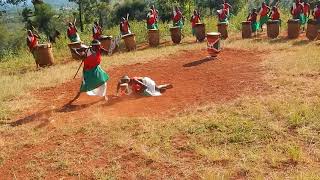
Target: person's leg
164,87
106,95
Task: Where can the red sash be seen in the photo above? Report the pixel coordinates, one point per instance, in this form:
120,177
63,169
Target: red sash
125,26
306,9
72,31
195,19
275,15
223,15
32,43
92,60
317,14
264,11
177,17
151,19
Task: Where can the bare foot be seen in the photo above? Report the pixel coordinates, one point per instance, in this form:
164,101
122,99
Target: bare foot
106,98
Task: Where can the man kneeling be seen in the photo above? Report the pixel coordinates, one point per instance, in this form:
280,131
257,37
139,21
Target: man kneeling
140,86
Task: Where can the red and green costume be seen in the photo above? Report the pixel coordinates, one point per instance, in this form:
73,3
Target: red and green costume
73,34
97,32
177,19
194,20
254,23
93,76
223,16
151,21
264,15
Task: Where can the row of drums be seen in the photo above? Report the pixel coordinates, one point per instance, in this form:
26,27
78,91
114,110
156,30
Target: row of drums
273,29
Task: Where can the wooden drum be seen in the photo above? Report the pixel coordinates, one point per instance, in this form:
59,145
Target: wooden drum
246,29
293,28
273,28
154,37
74,45
312,30
200,31
213,45
43,55
105,41
223,29
175,34
130,41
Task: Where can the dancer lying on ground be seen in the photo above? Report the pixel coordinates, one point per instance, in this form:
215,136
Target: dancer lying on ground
140,86
95,79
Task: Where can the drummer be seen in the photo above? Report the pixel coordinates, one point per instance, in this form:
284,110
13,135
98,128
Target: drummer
264,15
156,15
95,79
316,14
72,33
151,20
223,15
177,18
143,86
275,14
195,18
297,11
306,13
32,42
125,26
96,31
252,17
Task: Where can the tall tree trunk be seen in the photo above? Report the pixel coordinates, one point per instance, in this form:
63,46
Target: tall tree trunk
80,15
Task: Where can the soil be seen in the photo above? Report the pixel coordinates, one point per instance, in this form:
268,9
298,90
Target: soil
196,79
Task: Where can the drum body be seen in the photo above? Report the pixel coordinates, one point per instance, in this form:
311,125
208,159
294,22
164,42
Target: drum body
213,45
130,41
223,29
246,29
293,28
175,34
105,41
200,31
312,30
154,37
43,55
273,28
74,45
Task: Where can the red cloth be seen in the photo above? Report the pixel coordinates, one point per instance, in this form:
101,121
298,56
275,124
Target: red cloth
298,10
253,17
306,8
136,87
98,34
125,26
177,17
92,60
155,13
32,43
275,15
226,6
72,31
317,14
195,19
151,19
264,11
223,15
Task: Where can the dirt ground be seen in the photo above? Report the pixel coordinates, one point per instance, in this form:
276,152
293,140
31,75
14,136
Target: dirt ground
196,79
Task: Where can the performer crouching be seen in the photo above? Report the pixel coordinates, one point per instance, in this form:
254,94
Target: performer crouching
143,86
95,79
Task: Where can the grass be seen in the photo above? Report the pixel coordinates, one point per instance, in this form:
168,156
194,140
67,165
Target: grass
274,135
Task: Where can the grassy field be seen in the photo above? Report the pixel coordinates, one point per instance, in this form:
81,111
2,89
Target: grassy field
275,135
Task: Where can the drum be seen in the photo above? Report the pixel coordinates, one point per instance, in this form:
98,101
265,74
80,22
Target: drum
154,37
223,29
175,34
74,45
130,41
200,31
293,28
246,29
105,41
43,55
273,28
312,30
213,45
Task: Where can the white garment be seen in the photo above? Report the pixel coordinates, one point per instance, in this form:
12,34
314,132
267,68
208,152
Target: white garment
151,87
99,91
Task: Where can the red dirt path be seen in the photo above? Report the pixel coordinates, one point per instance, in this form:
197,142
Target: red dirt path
196,80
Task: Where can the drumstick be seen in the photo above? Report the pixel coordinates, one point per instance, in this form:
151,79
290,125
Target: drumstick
78,70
